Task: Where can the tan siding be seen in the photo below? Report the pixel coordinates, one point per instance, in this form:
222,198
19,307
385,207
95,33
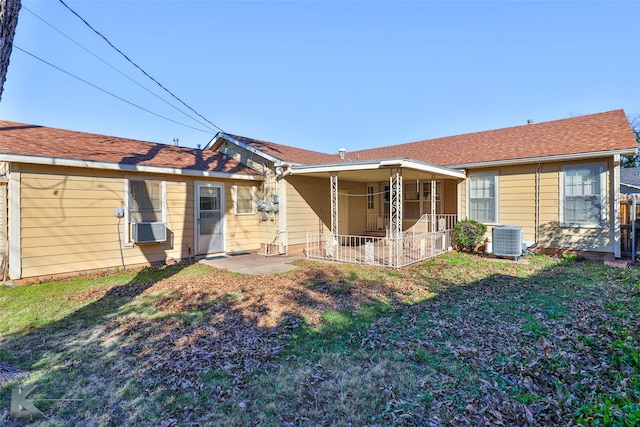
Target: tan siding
308,207
68,221
180,216
517,207
357,215
463,200
450,196
3,220
242,231
552,234
248,158
517,198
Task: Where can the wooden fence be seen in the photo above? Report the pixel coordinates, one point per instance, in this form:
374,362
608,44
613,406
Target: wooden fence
626,226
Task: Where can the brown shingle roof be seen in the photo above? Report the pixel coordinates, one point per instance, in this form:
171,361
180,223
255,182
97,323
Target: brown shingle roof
31,140
602,132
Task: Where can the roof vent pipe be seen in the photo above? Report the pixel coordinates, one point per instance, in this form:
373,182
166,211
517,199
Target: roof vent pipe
342,151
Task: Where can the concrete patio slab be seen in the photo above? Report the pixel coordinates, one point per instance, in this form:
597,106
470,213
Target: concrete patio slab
252,263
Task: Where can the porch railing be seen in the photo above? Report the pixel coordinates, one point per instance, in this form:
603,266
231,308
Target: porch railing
379,222
409,248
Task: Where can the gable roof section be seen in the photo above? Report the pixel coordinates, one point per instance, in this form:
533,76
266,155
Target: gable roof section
26,143
273,151
577,137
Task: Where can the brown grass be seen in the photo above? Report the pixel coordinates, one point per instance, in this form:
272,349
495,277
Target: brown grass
455,341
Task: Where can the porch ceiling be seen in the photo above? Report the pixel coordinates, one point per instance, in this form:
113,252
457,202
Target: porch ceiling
380,170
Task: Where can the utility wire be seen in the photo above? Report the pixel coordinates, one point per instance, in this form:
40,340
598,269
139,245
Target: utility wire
138,67
107,92
114,68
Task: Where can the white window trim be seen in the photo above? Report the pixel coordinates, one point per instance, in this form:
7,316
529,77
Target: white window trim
235,201
127,223
603,198
496,181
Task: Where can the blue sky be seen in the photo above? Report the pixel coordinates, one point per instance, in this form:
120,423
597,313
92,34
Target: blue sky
324,75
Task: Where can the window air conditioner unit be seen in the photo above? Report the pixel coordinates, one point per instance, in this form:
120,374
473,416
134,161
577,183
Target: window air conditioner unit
148,232
507,241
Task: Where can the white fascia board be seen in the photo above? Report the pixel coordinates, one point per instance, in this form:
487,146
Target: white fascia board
431,168
332,167
51,161
544,159
635,187
247,147
378,164
214,141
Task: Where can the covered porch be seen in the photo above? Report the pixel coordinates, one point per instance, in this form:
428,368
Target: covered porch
388,213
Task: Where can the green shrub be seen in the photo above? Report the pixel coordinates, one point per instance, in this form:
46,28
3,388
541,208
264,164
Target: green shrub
468,233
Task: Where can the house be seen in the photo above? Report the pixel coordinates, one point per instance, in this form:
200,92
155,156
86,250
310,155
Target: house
558,181
73,201
629,180
77,201
629,211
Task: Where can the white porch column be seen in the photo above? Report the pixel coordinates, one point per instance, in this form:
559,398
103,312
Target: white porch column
395,216
615,205
334,205
434,226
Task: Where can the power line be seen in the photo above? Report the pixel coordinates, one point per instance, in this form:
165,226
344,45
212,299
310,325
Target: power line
115,69
107,92
138,67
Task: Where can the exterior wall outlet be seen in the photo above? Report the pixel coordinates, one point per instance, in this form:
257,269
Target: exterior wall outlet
119,212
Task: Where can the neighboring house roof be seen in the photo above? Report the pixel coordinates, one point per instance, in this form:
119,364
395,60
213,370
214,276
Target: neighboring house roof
595,134
41,145
630,176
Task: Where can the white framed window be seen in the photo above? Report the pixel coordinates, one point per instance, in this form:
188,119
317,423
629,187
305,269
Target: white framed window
582,196
243,200
483,197
145,201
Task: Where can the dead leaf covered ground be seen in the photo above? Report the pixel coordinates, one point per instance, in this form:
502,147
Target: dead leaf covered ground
458,340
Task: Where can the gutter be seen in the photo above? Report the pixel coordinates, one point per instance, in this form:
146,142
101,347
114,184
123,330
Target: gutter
49,161
546,159
378,164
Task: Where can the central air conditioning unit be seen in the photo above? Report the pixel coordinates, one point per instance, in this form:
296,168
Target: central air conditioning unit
148,232
507,241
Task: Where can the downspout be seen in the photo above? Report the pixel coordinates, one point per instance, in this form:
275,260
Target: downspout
537,207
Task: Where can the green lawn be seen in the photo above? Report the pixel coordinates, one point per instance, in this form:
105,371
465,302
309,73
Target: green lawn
458,340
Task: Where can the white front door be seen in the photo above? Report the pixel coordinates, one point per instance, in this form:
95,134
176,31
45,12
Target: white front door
209,218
